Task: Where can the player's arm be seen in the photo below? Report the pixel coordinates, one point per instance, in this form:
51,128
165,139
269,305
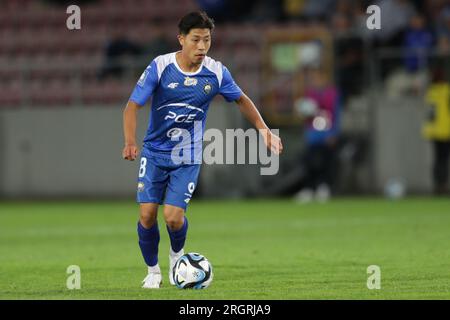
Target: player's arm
141,93
130,151
248,109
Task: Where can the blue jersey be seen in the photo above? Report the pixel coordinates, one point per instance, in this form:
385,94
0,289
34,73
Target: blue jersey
180,99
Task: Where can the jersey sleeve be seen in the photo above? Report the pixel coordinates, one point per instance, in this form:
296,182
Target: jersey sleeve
229,89
146,85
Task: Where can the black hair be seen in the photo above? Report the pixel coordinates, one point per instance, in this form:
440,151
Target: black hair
193,20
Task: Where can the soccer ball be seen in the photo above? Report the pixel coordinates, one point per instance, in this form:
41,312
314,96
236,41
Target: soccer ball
192,270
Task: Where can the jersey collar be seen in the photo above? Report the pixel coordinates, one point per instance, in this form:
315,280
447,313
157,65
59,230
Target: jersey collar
184,72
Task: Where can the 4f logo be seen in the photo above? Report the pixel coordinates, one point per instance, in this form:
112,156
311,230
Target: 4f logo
374,21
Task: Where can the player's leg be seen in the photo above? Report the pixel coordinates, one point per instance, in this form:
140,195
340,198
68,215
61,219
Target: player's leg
306,194
440,170
325,162
177,226
181,186
440,165
148,233
153,180
175,222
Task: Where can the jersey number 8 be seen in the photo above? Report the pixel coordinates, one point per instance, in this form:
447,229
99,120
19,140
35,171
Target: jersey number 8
142,167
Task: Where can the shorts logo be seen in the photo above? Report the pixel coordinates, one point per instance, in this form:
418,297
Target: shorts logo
207,88
141,186
144,75
191,187
190,82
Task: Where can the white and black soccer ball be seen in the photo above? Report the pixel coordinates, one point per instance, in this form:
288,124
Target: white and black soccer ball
192,270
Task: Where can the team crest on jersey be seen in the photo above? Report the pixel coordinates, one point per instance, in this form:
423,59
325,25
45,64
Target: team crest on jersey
190,82
141,186
207,88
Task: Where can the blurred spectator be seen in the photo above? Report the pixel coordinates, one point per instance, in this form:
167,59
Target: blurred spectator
293,8
228,10
308,9
417,43
116,49
265,11
314,9
435,10
321,107
437,128
216,9
158,45
344,7
443,31
349,56
341,25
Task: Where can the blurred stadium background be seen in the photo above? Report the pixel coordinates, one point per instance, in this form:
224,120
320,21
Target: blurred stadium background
62,91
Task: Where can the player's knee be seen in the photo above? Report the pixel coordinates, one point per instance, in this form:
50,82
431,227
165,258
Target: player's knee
174,224
147,221
148,217
174,218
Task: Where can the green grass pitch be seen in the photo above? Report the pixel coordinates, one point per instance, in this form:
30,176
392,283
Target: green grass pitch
267,249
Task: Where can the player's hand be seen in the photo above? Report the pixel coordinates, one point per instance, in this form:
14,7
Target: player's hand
272,141
130,152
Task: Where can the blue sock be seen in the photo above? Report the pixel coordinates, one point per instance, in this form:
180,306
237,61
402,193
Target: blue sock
177,238
148,242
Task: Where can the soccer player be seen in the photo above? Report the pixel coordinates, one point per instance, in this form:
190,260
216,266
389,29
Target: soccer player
182,85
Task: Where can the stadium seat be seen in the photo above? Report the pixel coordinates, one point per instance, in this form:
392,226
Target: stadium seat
33,36
11,93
